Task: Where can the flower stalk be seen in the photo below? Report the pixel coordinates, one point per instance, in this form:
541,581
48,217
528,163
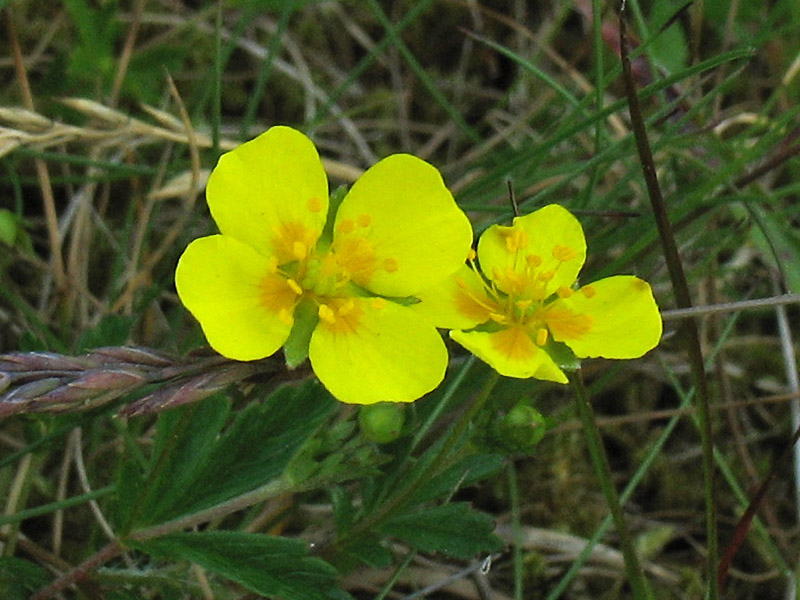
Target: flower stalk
688,330
636,577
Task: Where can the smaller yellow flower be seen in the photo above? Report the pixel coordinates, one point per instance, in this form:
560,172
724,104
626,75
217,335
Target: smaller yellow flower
285,272
526,299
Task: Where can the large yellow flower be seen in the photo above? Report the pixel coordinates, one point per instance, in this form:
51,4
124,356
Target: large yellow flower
283,268
526,298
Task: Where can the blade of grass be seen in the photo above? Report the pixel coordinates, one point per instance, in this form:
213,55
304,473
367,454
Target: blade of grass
265,69
411,16
423,75
52,507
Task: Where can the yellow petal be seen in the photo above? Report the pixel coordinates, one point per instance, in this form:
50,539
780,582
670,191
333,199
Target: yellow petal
377,351
271,193
459,302
511,352
540,253
243,308
399,230
615,317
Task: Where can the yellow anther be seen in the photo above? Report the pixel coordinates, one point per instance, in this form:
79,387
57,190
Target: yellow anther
377,303
498,318
286,316
564,292
326,314
516,239
541,337
295,286
564,253
523,304
588,291
546,275
346,307
314,205
471,255
364,220
533,260
513,280
390,265
346,226
299,250
273,264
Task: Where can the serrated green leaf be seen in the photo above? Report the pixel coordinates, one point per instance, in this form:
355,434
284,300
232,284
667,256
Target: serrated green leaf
275,567
466,471
368,551
184,440
452,529
254,450
130,483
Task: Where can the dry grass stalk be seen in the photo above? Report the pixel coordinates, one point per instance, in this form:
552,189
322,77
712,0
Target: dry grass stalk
109,127
33,382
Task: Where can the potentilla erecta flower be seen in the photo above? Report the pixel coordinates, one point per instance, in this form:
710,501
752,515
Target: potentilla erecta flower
516,311
289,268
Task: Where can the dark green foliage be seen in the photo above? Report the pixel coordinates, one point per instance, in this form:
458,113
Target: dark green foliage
18,578
197,465
452,529
273,566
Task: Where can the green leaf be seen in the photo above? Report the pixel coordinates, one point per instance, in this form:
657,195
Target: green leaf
112,330
466,471
669,47
275,567
130,483
19,578
184,440
368,551
453,529
254,450
10,225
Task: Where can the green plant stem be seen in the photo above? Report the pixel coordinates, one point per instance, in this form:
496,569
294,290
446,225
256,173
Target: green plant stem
641,588
680,287
405,494
519,568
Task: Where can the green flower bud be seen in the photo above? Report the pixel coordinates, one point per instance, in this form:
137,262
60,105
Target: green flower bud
523,427
381,423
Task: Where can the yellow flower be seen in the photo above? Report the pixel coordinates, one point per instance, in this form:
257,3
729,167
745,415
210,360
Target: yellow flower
526,298
283,267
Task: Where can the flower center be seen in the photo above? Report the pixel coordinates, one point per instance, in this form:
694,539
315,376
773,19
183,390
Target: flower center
300,268
517,297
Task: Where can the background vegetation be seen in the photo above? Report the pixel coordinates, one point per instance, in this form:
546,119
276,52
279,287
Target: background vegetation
167,477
